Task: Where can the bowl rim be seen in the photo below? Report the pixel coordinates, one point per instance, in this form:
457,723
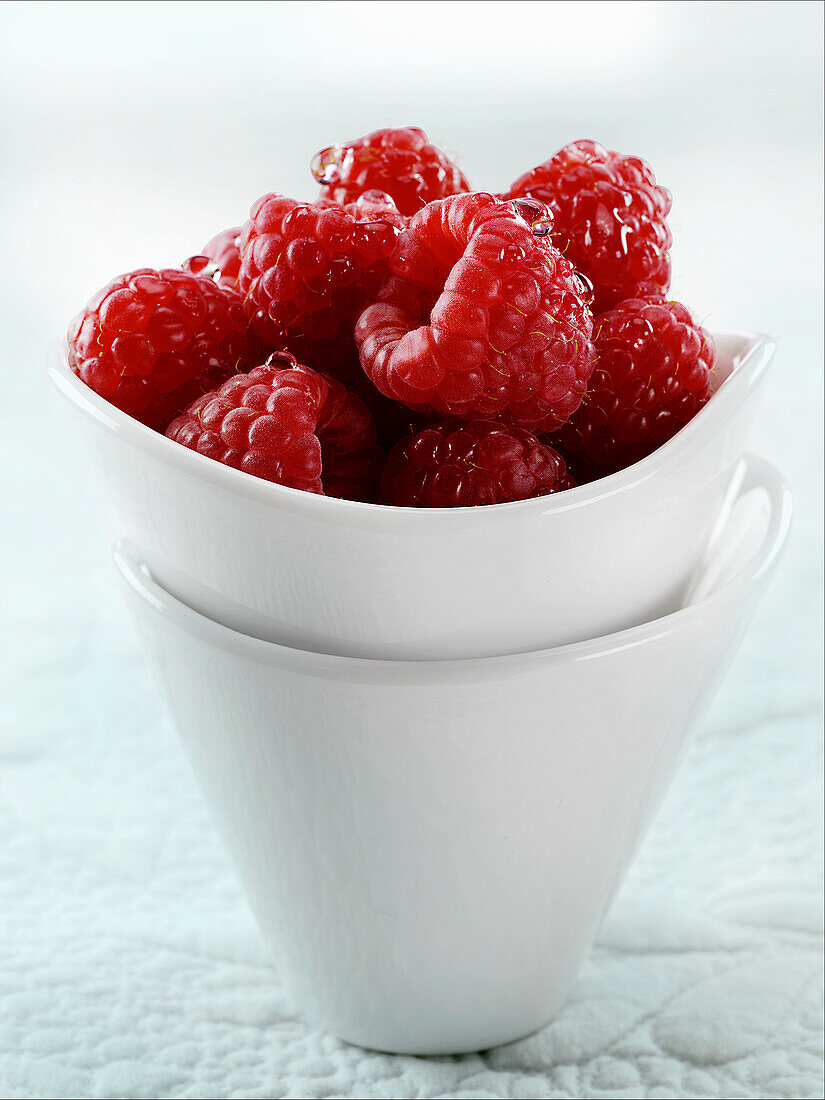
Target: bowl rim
749,365
136,576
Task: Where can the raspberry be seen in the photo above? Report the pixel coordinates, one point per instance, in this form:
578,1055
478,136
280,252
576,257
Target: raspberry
653,374
308,268
151,341
289,424
481,316
338,357
223,251
608,218
454,464
402,163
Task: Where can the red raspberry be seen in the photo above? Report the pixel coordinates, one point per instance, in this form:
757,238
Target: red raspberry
402,163
338,357
286,423
452,464
653,374
307,268
151,341
608,218
223,251
482,316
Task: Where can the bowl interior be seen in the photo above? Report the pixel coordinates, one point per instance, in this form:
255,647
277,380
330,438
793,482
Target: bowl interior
741,361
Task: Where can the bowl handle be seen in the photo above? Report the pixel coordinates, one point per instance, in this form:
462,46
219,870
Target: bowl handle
731,553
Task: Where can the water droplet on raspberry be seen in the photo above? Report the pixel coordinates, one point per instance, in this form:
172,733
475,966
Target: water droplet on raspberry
374,198
535,213
512,253
587,287
325,165
281,360
202,265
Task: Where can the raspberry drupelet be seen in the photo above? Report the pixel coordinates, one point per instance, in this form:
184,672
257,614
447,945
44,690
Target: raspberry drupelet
454,464
288,424
308,268
481,315
608,218
401,162
151,341
653,374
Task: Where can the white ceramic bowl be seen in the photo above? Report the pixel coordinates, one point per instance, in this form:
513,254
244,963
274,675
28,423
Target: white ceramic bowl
429,846
361,579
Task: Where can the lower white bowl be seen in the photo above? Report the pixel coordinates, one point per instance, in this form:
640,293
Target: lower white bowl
429,847
369,580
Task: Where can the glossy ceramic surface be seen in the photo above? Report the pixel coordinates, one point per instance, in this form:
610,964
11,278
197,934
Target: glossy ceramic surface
429,846
360,579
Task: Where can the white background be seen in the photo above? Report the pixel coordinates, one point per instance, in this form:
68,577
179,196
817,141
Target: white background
131,133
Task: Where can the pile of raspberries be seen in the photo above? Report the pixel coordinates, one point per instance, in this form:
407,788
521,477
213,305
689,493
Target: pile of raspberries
405,340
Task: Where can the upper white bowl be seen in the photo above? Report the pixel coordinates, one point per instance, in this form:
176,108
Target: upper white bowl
429,846
362,579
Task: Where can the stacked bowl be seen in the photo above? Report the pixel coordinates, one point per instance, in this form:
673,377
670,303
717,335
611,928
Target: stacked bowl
433,739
